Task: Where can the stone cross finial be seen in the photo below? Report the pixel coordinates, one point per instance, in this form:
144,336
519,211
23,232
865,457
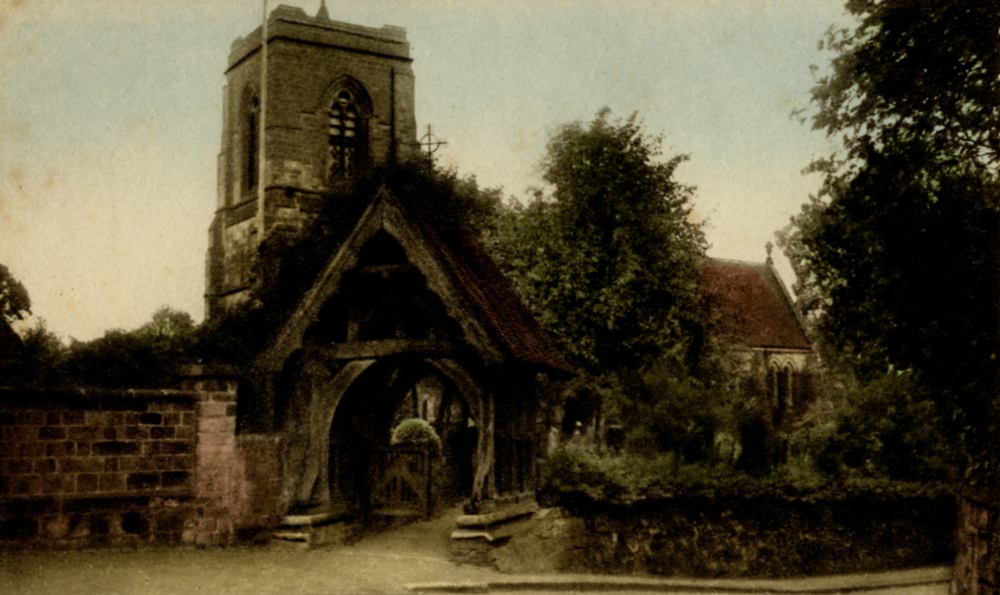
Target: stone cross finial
769,246
429,144
323,14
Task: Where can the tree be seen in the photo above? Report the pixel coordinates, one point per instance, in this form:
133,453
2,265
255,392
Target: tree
145,357
911,69
899,266
607,258
14,300
897,255
43,356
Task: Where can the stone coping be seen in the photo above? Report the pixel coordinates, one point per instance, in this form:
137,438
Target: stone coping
577,583
512,513
306,520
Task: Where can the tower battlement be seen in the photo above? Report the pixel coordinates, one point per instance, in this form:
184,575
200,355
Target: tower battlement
289,22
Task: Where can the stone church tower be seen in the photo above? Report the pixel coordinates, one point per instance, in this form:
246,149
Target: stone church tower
339,98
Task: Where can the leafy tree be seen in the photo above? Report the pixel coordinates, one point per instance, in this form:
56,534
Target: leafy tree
928,70
897,254
43,355
145,357
14,300
899,264
890,428
607,258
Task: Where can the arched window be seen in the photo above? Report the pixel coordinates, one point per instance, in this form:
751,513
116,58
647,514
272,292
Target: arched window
773,381
348,143
782,385
789,381
251,158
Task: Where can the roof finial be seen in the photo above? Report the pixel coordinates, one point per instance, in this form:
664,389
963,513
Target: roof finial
769,246
323,14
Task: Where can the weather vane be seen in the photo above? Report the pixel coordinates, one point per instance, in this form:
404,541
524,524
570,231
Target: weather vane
429,144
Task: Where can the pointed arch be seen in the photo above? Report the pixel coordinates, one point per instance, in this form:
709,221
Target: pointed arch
348,108
249,139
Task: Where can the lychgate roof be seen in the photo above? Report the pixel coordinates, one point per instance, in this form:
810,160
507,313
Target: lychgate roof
456,267
751,306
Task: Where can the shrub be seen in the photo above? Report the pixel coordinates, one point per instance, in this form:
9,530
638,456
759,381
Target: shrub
572,476
417,431
890,428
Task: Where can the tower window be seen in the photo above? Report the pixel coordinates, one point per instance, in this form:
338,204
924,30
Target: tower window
252,157
347,140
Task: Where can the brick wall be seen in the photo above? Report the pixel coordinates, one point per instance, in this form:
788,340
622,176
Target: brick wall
977,544
118,467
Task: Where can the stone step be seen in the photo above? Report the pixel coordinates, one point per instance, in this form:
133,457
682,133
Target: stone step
310,530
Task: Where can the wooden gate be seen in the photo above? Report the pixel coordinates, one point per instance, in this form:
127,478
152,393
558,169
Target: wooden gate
402,485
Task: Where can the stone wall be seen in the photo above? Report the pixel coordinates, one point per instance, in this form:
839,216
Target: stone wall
757,537
124,467
977,545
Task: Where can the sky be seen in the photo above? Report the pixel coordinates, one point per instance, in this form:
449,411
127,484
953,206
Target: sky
111,119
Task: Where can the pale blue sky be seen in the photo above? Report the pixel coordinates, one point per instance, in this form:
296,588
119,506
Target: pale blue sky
110,120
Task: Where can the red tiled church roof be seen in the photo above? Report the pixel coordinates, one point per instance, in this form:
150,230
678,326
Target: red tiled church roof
751,306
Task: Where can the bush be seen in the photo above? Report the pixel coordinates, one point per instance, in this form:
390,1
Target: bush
892,429
572,476
417,431
889,428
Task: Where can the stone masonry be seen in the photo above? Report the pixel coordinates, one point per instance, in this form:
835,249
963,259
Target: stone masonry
310,61
977,540
124,467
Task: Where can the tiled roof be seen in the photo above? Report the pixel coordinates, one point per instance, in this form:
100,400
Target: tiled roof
751,306
493,296
483,300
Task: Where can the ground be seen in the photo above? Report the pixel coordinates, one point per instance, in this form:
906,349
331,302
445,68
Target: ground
382,563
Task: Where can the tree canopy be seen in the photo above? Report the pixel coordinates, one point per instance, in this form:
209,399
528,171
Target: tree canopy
913,69
897,255
14,300
899,264
607,257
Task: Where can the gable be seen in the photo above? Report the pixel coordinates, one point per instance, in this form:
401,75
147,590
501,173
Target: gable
407,274
751,306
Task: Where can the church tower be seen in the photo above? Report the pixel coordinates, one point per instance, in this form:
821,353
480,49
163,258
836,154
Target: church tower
331,100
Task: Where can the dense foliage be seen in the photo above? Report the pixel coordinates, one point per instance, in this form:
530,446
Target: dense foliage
887,428
927,70
606,258
573,475
902,258
146,357
14,300
897,255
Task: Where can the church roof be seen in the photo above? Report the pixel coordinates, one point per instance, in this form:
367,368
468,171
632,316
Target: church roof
751,306
456,267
